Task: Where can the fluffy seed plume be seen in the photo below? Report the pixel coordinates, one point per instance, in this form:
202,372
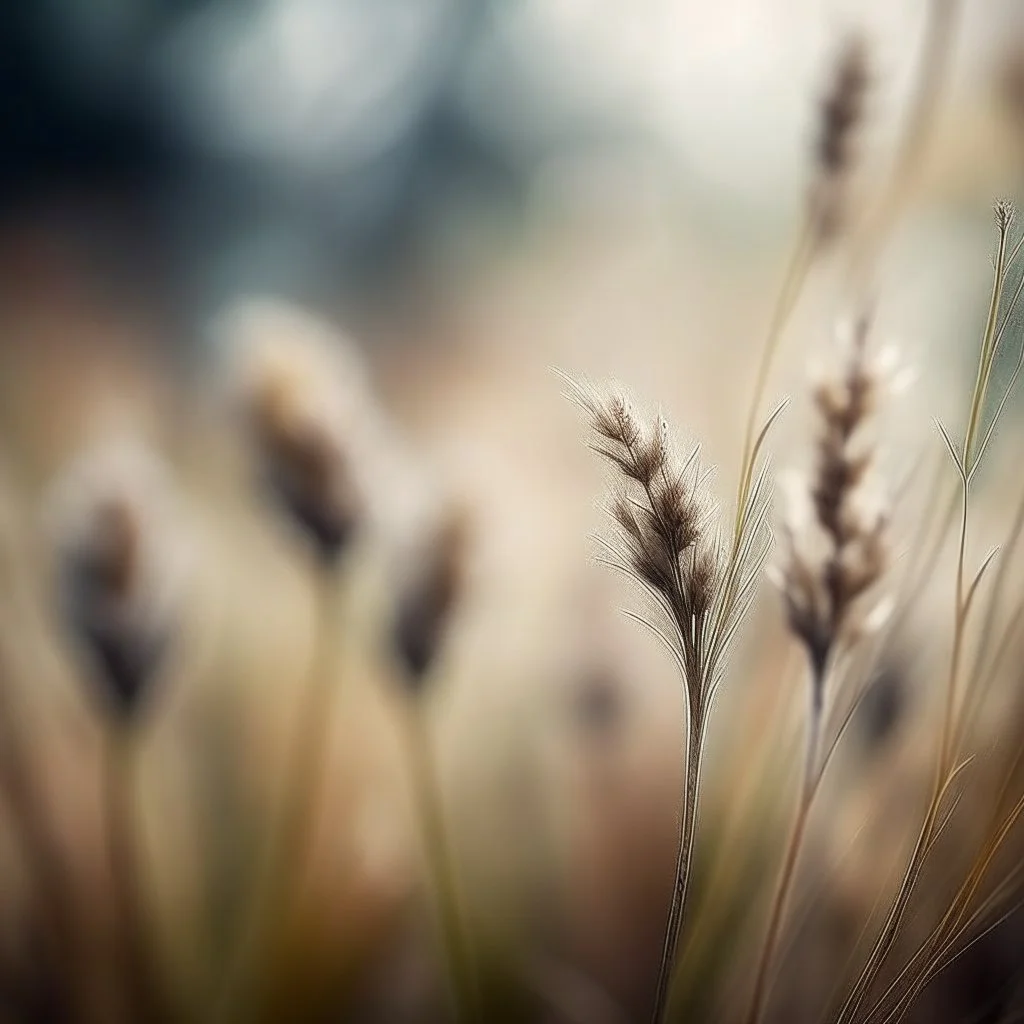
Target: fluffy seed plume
120,561
427,598
834,541
301,406
840,117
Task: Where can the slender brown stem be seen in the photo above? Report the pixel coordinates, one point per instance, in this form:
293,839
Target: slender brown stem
931,73
988,350
430,811
289,838
135,944
684,861
787,874
792,285
890,929
946,931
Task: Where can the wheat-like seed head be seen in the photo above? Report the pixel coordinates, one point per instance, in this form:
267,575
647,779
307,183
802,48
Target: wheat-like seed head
835,535
664,521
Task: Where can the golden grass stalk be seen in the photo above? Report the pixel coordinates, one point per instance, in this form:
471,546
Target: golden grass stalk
966,460
429,807
945,941
290,833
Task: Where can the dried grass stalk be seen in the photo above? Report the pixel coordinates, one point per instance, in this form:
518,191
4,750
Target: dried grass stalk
966,458
668,541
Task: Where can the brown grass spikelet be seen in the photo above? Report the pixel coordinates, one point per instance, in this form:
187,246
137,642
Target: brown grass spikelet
301,404
662,516
1005,214
821,582
841,115
843,107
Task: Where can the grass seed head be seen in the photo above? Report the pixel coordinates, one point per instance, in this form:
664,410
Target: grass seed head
428,597
119,561
301,403
835,537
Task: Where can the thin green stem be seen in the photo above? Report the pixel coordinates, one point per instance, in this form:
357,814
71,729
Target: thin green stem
135,945
289,838
430,812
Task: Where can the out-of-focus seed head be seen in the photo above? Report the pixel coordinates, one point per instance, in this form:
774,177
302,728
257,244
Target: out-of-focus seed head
120,562
840,117
433,584
301,395
834,538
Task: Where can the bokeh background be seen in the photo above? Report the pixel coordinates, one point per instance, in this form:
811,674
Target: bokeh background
474,192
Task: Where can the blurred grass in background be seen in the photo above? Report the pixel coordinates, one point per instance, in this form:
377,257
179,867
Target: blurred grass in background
476,191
